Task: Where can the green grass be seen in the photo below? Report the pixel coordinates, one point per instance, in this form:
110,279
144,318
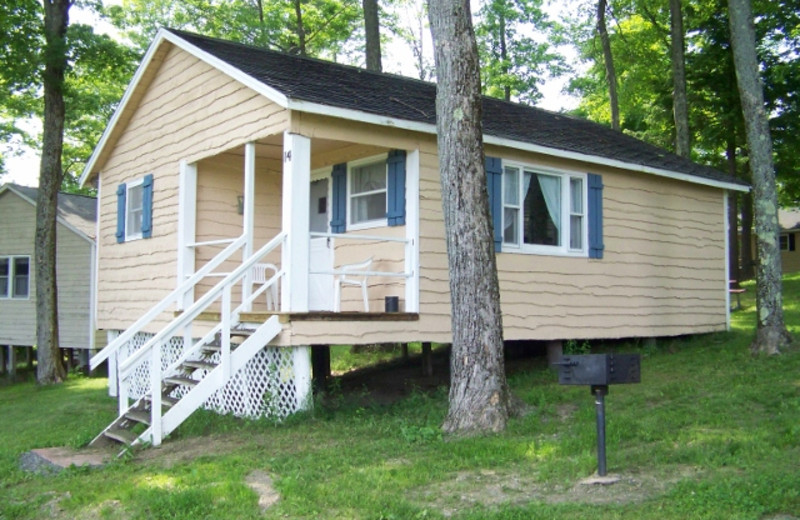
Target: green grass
711,432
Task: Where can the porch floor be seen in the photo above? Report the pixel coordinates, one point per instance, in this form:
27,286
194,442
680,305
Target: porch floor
288,317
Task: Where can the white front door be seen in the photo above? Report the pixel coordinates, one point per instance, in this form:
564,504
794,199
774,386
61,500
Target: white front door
320,286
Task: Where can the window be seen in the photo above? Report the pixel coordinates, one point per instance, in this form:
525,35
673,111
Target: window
15,277
135,209
544,212
368,192
784,242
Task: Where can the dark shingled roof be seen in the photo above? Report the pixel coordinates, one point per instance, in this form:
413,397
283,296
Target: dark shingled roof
343,86
80,211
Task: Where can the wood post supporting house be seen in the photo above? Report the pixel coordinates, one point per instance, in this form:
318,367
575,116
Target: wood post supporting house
29,357
12,361
555,349
2,361
427,359
301,357
321,366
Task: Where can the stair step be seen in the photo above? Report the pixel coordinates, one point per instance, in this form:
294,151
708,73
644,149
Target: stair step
242,333
120,435
216,347
138,416
198,365
166,400
181,381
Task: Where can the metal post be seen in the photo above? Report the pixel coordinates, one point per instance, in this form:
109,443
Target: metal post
599,393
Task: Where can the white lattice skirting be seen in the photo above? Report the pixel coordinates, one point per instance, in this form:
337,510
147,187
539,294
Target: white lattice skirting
264,387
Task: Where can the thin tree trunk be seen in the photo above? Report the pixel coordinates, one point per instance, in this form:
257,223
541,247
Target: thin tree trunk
50,367
680,107
771,332
479,395
300,29
733,211
748,268
373,35
504,55
608,58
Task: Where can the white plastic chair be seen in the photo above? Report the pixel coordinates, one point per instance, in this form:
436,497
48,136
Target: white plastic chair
261,274
351,276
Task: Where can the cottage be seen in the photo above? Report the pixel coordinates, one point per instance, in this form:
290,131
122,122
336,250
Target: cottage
789,221
274,202
75,273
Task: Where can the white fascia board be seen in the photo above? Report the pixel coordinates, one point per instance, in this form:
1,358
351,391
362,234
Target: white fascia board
364,117
60,220
161,36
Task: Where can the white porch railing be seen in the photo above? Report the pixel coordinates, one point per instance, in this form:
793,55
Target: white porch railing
407,272
152,350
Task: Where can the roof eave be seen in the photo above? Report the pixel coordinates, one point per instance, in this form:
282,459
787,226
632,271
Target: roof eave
365,117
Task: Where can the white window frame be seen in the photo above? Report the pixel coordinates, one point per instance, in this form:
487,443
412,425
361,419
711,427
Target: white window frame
11,283
128,217
563,249
367,224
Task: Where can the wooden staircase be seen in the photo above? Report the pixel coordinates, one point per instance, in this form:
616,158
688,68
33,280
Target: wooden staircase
187,386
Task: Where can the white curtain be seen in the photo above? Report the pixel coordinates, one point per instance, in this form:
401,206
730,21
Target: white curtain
551,189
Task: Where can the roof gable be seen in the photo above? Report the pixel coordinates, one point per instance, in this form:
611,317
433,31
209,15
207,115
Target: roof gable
312,85
76,212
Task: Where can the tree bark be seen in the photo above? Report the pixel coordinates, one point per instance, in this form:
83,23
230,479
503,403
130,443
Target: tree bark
733,211
608,58
479,396
748,264
373,35
504,55
680,107
300,29
771,332
50,367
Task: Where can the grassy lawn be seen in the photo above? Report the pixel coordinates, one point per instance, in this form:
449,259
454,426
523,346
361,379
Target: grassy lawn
711,432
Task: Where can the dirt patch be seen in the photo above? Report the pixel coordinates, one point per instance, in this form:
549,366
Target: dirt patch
176,451
516,486
261,483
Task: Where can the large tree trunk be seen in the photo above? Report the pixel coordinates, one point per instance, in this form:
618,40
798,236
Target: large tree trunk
479,395
50,367
373,35
680,107
608,58
771,333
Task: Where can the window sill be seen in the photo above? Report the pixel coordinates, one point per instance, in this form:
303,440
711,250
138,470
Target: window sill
372,224
562,253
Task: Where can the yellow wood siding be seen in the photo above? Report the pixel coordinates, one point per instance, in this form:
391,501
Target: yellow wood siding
188,111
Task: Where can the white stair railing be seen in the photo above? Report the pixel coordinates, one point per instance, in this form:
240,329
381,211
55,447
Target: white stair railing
152,349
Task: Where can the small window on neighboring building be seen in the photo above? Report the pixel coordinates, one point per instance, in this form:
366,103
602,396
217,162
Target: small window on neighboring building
784,241
15,277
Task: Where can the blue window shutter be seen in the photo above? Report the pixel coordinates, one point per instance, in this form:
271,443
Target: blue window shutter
339,203
147,206
494,180
396,188
121,191
595,216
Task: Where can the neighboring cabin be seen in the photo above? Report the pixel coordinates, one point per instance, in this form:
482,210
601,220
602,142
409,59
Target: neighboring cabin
75,271
598,235
789,221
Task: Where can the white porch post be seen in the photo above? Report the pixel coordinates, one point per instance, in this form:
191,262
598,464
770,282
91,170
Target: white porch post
296,193
248,216
187,215
301,359
412,231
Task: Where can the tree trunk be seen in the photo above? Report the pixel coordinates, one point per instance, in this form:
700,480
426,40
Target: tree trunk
300,29
373,35
748,264
479,395
608,58
50,367
733,211
504,55
680,107
771,333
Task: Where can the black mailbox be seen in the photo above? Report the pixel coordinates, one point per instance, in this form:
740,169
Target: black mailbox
599,369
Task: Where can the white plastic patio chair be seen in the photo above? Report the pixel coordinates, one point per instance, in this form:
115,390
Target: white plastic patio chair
261,274
351,276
